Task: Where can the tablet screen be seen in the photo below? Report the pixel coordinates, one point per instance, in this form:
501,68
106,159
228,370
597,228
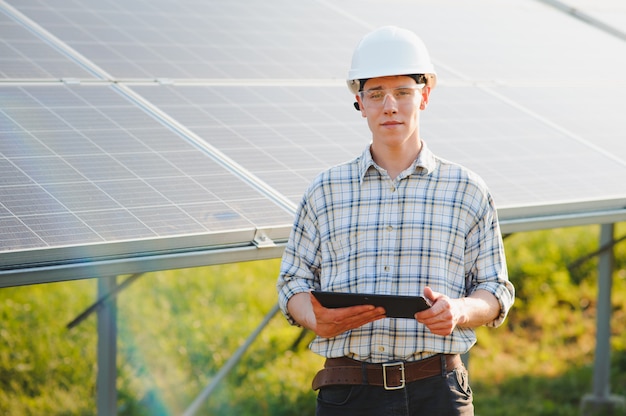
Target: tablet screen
395,306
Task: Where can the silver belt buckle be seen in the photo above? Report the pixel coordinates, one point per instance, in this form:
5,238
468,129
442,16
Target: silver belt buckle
399,364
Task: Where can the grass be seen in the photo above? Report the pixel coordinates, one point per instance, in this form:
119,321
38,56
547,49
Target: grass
178,328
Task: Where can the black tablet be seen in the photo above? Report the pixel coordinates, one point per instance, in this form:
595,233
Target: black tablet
395,306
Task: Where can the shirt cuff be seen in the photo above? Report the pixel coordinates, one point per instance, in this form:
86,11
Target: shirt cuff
285,293
505,294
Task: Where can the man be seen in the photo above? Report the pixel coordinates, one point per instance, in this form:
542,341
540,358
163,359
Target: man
397,220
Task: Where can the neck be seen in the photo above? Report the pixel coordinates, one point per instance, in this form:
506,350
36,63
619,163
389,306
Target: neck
397,158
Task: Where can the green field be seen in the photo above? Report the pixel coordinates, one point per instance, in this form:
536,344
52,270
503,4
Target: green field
177,328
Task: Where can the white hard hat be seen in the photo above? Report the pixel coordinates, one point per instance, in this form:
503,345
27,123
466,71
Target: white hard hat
389,51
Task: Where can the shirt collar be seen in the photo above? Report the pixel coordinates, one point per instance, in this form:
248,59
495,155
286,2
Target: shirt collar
423,165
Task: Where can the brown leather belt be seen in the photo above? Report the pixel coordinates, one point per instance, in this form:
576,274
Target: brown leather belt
391,376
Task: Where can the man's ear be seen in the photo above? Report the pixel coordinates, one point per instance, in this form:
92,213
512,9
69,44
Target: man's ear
359,105
425,96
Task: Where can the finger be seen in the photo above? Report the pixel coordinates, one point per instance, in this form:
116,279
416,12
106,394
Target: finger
431,294
333,322
363,320
356,316
441,329
350,315
429,314
348,311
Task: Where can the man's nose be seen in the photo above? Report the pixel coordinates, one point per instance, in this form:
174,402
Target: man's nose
389,103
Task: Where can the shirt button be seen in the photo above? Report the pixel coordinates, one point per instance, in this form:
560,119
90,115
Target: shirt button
381,348
389,228
386,268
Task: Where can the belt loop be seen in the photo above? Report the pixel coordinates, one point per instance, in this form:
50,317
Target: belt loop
444,365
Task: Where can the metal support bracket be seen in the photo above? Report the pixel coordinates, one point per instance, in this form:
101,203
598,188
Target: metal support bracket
261,240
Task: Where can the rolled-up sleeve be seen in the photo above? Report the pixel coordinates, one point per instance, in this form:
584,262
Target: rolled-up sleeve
488,268
299,270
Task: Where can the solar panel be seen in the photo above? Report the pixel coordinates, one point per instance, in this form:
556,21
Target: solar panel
521,41
455,126
92,167
134,128
191,39
258,127
23,55
591,113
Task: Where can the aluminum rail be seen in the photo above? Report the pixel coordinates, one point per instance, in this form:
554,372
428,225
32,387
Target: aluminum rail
137,264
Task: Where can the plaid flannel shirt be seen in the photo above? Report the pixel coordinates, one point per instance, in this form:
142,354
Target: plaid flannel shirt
356,230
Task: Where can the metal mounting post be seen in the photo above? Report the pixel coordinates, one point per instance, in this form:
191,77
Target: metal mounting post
601,402
106,398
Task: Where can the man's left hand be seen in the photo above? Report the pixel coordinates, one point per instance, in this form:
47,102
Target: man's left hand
444,315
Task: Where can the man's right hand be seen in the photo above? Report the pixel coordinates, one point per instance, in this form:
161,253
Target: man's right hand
330,322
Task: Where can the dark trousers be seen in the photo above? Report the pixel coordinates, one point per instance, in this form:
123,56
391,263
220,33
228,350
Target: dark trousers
448,395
